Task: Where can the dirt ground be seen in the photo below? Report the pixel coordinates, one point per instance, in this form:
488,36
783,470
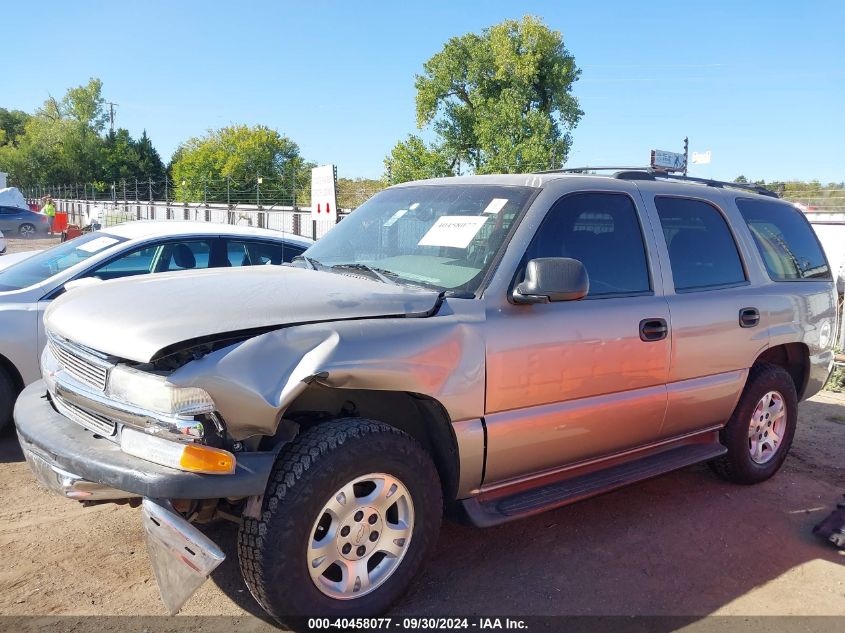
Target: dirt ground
17,245
685,544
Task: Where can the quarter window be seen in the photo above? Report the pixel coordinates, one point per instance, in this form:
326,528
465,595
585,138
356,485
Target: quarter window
602,231
702,250
786,241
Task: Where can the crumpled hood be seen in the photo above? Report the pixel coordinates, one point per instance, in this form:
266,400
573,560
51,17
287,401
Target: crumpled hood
138,317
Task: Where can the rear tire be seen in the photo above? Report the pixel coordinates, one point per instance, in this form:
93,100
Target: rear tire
760,431
26,230
301,558
8,394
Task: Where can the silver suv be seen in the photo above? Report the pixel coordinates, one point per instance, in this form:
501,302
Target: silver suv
495,346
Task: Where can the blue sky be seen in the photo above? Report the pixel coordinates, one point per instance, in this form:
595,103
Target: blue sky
760,84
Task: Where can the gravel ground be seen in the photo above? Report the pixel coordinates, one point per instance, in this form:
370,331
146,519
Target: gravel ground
685,544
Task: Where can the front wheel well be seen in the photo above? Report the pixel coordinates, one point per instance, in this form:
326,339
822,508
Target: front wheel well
794,358
421,417
13,373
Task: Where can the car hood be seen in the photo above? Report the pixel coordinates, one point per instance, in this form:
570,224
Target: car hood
142,318
14,258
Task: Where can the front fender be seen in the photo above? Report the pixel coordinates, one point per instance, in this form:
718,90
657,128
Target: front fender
441,356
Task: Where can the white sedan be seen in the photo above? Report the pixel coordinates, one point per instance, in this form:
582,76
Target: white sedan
136,248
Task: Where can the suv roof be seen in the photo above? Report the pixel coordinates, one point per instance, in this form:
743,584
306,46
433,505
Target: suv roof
540,179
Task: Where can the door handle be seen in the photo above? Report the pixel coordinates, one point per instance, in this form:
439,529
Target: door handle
653,330
749,317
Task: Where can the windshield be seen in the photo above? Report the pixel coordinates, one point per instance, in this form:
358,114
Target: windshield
55,260
437,236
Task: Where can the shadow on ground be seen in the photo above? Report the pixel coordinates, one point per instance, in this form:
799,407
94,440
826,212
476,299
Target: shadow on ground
685,544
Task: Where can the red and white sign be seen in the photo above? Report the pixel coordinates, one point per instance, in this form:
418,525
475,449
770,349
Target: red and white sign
323,193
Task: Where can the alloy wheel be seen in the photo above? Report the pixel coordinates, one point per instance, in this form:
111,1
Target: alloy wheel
360,536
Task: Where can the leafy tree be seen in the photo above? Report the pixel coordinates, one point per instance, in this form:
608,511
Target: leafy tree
500,100
240,155
412,159
12,124
123,158
63,143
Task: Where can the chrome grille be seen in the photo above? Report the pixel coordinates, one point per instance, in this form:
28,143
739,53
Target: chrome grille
90,421
84,368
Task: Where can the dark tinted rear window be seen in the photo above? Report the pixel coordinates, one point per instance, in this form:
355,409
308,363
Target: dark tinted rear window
786,241
702,250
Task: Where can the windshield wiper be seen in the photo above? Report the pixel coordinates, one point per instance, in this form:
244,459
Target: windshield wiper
379,273
313,263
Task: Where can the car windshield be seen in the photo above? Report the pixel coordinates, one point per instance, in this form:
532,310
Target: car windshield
443,237
55,260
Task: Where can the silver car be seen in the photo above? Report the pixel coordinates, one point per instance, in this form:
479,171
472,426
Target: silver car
493,345
29,285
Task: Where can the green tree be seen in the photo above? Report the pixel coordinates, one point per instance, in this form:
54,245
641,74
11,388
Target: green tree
412,159
61,142
500,101
12,123
150,165
123,158
239,155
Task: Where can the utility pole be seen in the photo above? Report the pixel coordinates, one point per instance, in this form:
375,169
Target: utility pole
111,114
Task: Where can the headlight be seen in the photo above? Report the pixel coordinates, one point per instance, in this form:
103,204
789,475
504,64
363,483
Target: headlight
154,393
184,456
49,367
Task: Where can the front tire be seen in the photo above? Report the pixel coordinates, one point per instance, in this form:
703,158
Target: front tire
760,431
352,509
8,395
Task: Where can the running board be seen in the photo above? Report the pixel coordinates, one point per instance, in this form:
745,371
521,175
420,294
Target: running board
501,509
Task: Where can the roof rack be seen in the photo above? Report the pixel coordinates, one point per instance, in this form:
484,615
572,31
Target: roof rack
716,183
649,173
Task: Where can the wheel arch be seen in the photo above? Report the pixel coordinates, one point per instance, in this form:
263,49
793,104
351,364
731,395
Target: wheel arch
420,416
794,358
13,372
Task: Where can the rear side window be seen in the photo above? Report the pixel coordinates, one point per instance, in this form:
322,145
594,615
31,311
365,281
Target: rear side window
786,241
249,253
602,231
702,250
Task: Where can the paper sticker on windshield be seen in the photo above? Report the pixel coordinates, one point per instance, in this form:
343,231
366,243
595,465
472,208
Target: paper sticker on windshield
456,231
496,205
97,245
392,219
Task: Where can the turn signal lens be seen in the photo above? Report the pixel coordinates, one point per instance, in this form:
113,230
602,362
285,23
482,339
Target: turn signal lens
204,459
195,458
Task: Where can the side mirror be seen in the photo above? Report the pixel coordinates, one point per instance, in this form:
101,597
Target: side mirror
81,282
552,279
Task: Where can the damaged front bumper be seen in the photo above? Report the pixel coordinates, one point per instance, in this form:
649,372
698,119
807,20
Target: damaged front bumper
74,462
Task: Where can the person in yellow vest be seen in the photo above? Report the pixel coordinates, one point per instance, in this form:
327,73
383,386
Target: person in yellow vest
49,210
